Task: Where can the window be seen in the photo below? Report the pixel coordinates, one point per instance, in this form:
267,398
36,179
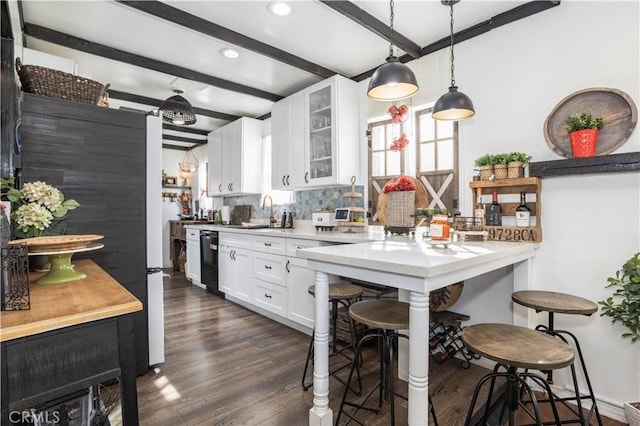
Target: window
431,157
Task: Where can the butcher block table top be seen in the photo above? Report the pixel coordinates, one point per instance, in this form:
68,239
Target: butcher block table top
54,306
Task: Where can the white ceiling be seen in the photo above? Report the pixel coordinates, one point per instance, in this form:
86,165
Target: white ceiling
314,32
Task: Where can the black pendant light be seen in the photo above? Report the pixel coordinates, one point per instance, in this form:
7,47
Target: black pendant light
393,80
453,105
177,110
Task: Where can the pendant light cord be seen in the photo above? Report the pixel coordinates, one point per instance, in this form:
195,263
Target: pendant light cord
391,27
453,79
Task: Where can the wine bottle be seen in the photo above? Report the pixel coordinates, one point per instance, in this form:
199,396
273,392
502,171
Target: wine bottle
479,210
493,215
522,212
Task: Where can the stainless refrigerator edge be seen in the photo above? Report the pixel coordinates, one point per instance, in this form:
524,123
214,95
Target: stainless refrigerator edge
155,301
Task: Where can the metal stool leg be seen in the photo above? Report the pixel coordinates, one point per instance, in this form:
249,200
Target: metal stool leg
306,364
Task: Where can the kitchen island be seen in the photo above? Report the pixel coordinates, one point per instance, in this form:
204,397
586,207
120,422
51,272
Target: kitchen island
76,335
415,268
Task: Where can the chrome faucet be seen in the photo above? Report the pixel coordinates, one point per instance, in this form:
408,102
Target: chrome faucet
272,219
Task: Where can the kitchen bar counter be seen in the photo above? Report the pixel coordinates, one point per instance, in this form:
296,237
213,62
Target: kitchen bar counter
415,268
76,335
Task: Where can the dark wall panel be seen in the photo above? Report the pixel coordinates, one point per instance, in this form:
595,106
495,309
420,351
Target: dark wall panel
96,156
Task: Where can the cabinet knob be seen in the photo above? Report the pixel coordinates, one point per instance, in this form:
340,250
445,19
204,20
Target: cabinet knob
306,177
220,188
287,266
267,267
268,296
287,180
267,244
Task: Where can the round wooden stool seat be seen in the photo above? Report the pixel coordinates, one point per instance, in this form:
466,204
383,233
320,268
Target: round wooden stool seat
340,291
381,313
550,301
517,346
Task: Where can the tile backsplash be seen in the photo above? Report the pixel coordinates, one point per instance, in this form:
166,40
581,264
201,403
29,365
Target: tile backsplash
305,202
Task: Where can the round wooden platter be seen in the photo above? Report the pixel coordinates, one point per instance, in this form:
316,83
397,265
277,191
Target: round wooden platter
40,245
618,109
422,200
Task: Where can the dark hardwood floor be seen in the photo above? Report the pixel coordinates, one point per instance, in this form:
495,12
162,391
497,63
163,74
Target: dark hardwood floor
226,365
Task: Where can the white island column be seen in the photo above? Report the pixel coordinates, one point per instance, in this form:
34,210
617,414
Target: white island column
418,359
320,414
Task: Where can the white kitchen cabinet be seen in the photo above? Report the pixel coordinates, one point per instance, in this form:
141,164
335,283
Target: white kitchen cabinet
287,143
214,165
235,158
300,304
193,256
320,126
235,266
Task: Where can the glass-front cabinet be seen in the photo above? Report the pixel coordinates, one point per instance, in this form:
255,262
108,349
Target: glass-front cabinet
320,133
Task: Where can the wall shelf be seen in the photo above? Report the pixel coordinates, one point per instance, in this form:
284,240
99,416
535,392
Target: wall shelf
626,162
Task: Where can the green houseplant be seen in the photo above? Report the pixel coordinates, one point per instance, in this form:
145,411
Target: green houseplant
583,131
624,306
485,163
515,164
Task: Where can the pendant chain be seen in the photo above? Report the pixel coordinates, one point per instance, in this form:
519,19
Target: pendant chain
391,27
453,79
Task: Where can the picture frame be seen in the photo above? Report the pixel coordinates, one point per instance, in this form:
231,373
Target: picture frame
170,181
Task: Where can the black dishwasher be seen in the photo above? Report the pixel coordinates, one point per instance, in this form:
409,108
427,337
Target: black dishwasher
209,260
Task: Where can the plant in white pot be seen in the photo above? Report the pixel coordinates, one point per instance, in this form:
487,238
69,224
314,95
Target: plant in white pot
624,306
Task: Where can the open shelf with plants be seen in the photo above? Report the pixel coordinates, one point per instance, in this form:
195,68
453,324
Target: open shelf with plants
531,187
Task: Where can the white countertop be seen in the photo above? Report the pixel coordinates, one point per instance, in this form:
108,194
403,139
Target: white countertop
308,232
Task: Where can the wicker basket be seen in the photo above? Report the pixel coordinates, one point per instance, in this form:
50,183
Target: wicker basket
400,206
58,84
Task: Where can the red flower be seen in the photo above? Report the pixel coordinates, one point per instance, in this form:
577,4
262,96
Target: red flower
402,184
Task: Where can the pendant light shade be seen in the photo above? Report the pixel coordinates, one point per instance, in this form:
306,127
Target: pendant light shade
393,80
178,110
453,105
187,165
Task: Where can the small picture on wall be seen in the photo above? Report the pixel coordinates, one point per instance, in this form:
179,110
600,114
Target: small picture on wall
170,181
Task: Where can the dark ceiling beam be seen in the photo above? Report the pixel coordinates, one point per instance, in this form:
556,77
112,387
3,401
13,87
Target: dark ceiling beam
356,14
166,137
515,14
167,126
175,147
211,29
138,99
87,46
5,23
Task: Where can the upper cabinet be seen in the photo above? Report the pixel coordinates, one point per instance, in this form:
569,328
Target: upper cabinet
315,136
235,158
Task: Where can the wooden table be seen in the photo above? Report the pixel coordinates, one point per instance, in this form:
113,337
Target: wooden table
76,335
416,269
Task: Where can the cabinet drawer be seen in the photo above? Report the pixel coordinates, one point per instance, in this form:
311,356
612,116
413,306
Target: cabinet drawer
270,267
274,245
294,244
193,234
269,296
234,240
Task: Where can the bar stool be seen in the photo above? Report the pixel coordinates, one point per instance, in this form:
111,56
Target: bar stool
339,294
384,317
562,303
513,347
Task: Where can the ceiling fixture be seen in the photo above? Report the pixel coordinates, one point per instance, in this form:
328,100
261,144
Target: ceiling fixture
392,81
453,105
177,110
279,8
229,53
186,165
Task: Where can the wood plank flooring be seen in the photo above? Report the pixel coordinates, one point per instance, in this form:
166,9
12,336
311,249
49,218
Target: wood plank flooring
226,365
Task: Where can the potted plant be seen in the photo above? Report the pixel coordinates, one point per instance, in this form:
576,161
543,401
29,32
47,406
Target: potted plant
400,202
500,165
583,131
485,163
515,166
624,307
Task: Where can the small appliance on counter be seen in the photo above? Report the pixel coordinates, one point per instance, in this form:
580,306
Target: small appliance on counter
323,220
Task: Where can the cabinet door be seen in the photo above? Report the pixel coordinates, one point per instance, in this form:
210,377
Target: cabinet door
226,270
231,158
214,168
280,143
193,261
300,304
297,148
244,283
320,133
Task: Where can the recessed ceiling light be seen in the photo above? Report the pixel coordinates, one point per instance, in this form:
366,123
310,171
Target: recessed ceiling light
279,8
229,53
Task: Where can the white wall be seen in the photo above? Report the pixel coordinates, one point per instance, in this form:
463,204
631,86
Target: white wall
515,75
